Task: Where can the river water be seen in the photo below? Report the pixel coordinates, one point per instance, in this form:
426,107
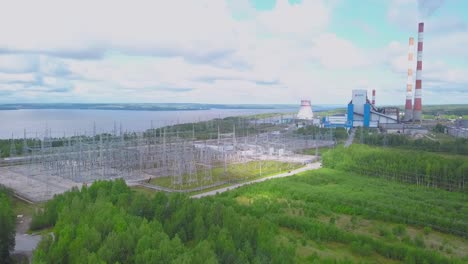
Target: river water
70,121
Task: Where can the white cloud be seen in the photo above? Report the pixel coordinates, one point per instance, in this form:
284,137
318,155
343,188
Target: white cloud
335,53
231,57
300,20
15,63
194,51
403,13
81,28
16,77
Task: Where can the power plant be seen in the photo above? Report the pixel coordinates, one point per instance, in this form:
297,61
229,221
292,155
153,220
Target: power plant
363,112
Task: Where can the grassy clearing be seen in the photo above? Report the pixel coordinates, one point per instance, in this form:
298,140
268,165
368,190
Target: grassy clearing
234,173
330,215
21,207
26,210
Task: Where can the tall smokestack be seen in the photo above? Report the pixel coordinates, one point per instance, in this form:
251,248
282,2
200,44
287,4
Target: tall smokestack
409,83
373,97
418,89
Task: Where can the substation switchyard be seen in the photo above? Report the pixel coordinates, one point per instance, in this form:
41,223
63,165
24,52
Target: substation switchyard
49,166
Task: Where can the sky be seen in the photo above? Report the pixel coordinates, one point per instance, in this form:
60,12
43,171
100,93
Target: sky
228,51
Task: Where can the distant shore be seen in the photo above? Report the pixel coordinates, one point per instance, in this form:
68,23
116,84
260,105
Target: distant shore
142,107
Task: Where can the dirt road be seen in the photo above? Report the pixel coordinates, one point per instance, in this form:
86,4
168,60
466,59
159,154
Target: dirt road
311,166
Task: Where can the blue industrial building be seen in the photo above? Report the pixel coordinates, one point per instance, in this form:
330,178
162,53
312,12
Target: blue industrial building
361,113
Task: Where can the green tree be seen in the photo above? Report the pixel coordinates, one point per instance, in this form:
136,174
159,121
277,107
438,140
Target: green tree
203,254
7,227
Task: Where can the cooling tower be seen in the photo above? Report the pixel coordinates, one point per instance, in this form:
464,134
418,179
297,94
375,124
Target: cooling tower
305,112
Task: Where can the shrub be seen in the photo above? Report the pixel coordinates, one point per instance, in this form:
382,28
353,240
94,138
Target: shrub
427,230
362,249
399,230
383,231
419,241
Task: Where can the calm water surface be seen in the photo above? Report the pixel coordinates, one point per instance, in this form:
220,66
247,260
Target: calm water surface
70,122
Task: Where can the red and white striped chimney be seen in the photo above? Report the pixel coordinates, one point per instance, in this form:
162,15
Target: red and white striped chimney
373,97
417,110
409,83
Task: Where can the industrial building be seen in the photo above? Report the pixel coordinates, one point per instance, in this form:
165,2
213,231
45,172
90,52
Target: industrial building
335,121
362,113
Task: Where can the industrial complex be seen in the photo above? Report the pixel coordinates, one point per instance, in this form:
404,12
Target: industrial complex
362,112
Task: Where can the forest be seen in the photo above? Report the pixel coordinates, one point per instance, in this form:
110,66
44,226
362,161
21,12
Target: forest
7,225
109,223
314,217
450,145
417,167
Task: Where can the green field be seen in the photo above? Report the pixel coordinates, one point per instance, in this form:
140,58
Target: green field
234,173
426,169
337,215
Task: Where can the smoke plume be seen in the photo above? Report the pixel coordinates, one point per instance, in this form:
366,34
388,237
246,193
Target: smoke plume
428,7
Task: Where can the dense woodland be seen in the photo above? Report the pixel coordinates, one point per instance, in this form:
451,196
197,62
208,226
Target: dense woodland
7,226
290,220
422,168
108,223
452,146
